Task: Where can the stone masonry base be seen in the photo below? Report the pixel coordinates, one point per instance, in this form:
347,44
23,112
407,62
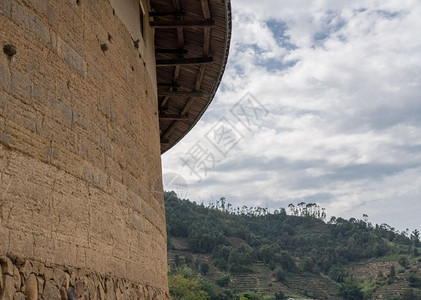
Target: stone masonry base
32,280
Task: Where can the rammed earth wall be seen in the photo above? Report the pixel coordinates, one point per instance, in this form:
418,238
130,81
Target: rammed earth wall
81,201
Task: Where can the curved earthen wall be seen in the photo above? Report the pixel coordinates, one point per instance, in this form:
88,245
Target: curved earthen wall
81,207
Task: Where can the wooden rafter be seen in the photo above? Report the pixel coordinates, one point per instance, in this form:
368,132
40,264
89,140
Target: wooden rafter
169,130
180,37
165,141
186,107
180,44
182,24
200,77
177,100
168,84
166,98
183,61
175,13
176,4
205,9
206,49
170,51
174,117
181,93
206,41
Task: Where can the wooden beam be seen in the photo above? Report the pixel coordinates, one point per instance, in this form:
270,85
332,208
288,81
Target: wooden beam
186,107
169,130
169,51
180,44
205,9
181,93
164,109
173,117
206,30
162,105
181,24
206,41
176,4
184,61
200,76
169,84
164,141
175,13
180,37
176,75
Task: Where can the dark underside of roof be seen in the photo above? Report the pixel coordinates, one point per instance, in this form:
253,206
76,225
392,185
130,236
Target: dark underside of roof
191,44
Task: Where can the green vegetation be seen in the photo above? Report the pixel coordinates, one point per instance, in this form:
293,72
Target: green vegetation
249,253
185,288
350,290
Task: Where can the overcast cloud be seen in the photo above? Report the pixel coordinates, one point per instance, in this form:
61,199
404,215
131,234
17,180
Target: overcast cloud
340,82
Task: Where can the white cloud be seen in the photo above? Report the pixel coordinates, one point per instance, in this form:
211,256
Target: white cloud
341,80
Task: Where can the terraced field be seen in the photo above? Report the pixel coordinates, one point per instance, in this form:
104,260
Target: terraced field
262,279
304,285
393,290
318,287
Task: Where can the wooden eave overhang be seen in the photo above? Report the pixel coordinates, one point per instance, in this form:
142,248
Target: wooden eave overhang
191,46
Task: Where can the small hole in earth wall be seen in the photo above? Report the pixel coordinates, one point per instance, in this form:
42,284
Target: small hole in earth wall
104,47
9,50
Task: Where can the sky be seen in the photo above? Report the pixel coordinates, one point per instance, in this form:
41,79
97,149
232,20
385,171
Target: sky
321,103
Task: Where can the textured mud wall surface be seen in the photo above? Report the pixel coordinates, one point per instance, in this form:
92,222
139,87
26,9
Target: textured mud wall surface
32,280
80,161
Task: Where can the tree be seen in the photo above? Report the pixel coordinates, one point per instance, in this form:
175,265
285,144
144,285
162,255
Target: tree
309,265
349,290
177,260
204,268
221,256
224,295
337,273
280,276
247,296
410,295
365,218
414,280
239,259
293,210
415,237
287,262
403,261
185,288
392,274
266,253
188,259
280,296
223,281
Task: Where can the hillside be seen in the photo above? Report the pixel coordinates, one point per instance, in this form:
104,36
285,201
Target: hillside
219,252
